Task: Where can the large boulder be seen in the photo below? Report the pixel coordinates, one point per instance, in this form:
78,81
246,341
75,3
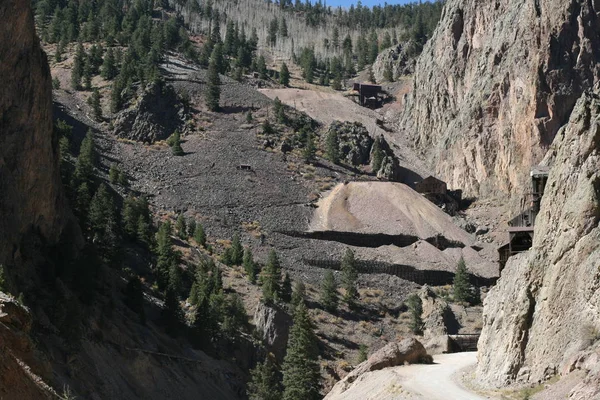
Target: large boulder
408,351
155,116
355,142
273,325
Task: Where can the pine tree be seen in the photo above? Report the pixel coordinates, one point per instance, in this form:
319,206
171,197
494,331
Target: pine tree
87,73
349,278
283,28
309,148
191,228
229,44
415,306
130,216
261,67
103,222
213,90
329,297
95,103
86,162
165,254
284,75
377,154
270,278
299,293
77,69
463,291
264,382
176,144
199,235
286,289
249,265
237,251
332,151
172,315
109,68
301,373
386,42
180,227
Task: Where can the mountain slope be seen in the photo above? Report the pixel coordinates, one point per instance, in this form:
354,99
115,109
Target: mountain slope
495,83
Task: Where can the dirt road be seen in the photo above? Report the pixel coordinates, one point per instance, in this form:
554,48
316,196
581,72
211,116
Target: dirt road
415,382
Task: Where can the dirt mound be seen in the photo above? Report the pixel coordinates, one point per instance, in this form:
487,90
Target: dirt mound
388,208
384,207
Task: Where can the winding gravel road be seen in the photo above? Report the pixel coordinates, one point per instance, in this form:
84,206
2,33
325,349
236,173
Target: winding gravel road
415,382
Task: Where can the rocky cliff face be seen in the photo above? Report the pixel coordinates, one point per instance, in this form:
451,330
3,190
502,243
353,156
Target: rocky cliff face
32,204
494,85
543,317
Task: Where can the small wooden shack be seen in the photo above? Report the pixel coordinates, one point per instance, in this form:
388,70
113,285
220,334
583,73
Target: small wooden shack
368,95
431,185
521,227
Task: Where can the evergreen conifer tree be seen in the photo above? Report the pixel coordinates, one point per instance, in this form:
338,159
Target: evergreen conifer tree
249,265
349,278
199,235
191,228
299,293
270,278
300,369
329,297
261,68
377,154
180,227
332,150
77,69
309,148
264,382
95,103
415,306
462,288
284,75
109,67
286,289
213,90
176,144
237,251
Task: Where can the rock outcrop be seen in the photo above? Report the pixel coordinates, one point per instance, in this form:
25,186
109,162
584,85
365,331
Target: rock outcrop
18,360
355,142
32,203
156,115
545,309
494,85
273,324
408,351
400,59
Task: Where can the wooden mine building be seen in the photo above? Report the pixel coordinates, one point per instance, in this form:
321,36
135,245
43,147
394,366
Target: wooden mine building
369,95
520,228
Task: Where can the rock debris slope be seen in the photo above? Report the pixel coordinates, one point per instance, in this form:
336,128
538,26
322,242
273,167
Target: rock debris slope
543,316
494,85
